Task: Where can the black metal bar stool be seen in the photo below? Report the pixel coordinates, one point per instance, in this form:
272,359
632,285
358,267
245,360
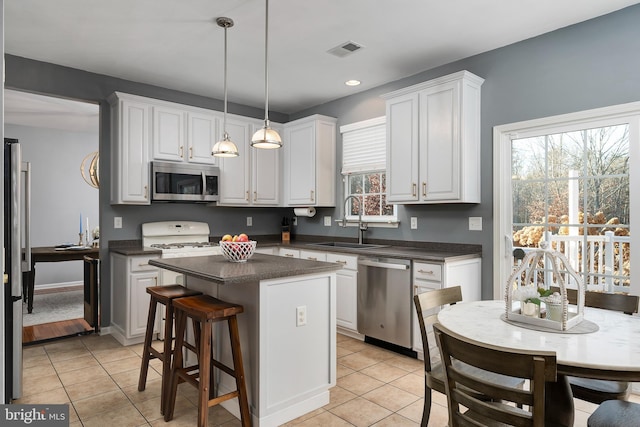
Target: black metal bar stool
204,310
166,295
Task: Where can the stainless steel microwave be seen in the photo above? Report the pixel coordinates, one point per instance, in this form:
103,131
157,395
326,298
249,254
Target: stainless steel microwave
177,182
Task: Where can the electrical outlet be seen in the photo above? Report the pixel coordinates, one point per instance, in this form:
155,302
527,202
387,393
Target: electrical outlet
249,221
327,221
117,222
301,315
414,223
475,223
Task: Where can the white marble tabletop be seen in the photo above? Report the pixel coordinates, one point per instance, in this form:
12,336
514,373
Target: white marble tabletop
613,351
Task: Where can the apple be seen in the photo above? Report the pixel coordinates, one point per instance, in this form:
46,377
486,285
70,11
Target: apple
243,238
227,238
235,238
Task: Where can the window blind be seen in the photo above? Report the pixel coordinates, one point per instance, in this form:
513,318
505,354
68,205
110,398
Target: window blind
364,146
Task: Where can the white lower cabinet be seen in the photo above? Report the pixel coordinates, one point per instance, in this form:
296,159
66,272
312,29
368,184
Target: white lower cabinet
289,253
130,278
346,292
428,276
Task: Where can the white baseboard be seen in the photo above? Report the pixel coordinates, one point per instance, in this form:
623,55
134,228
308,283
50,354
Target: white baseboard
57,285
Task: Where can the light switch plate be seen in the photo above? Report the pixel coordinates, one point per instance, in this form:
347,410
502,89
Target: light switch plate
327,221
414,223
475,223
249,221
117,222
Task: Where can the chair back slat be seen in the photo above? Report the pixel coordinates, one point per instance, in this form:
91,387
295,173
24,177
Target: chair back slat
625,303
462,386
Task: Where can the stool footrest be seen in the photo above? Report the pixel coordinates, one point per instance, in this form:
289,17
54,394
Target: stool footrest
224,397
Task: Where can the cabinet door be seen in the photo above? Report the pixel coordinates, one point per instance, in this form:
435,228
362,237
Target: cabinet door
265,177
313,255
402,149
440,143
168,133
234,171
347,299
202,132
139,301
132,168
290,253
300,165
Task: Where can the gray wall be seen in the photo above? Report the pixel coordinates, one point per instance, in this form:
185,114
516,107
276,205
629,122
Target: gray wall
59,194
588,65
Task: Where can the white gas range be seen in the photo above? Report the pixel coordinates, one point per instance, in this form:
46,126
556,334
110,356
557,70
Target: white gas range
178,239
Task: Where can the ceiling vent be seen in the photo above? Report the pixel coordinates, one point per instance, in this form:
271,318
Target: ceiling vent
345,49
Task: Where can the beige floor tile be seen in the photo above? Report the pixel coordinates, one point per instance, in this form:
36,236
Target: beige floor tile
123,416
87,362
341,352
97,386
69,378
113,354
406,363
391,397
339,396
324,419
54,396
358,361
64,346
150,409
36,385
122,365
342,371
361,412
39,371
73,353
151,391
411,383
100,342
30,351
379,354
353,345
36,360
395,420
384,372
131,377
94,405
358,383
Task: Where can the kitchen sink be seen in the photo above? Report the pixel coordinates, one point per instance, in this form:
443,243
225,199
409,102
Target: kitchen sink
348,245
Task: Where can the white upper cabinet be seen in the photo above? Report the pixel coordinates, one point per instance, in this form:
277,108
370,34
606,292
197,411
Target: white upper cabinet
252,178
130,130
168,133
202,132
433,141
310,161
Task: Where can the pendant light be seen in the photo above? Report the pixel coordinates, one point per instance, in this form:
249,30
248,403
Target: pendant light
266,137
226,147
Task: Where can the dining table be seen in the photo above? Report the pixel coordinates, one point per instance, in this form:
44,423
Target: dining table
608,348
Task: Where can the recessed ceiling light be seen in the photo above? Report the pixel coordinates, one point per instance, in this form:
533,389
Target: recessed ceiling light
352,82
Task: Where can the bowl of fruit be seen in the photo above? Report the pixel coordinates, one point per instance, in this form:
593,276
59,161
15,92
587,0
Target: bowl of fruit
237,248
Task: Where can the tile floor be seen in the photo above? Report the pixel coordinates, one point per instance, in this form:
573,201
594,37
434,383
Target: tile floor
98,377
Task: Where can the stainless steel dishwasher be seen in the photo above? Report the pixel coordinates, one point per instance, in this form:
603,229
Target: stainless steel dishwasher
384,299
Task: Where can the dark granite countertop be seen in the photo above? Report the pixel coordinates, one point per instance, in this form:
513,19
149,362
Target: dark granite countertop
216,268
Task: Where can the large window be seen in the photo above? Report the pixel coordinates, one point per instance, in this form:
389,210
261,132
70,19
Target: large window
567,180
364,171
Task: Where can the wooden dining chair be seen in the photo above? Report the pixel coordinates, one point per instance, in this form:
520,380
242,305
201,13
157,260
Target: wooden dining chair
509,406
594,390
427,304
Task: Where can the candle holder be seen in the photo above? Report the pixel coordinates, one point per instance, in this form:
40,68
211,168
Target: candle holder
79,239
86,238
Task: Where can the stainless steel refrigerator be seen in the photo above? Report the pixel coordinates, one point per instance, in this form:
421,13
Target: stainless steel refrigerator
17,253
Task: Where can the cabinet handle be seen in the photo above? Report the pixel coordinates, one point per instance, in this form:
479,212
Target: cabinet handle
289,255
341,262
413,189
255,196
155,279
247,197
312,258
142,264
191,152
312,195
146,191
426,272
424,189
182,151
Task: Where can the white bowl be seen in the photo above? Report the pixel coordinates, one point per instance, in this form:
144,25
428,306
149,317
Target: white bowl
238,251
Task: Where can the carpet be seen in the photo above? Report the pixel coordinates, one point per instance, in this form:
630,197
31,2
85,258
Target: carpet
54,307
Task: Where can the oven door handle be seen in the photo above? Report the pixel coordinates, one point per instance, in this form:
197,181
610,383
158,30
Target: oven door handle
379,264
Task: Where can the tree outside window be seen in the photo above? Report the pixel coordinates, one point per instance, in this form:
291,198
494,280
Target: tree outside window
370,188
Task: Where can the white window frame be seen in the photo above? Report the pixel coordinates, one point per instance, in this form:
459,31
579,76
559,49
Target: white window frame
373,221
502,206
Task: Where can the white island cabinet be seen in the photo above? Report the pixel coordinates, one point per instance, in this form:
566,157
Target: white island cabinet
433,141
289,359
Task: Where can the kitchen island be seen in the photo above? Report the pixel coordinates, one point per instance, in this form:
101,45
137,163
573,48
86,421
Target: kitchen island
287,331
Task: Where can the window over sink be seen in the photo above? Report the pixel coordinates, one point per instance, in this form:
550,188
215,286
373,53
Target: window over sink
364,172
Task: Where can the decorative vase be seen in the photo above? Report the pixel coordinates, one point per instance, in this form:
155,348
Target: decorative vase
530,309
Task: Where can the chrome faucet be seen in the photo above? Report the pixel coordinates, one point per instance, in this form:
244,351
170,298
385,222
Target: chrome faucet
362,227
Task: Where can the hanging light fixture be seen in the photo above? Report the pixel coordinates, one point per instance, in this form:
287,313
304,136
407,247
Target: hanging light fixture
266,137
226,147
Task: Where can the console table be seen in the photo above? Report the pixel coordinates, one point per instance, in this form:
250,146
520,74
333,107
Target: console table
51,254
